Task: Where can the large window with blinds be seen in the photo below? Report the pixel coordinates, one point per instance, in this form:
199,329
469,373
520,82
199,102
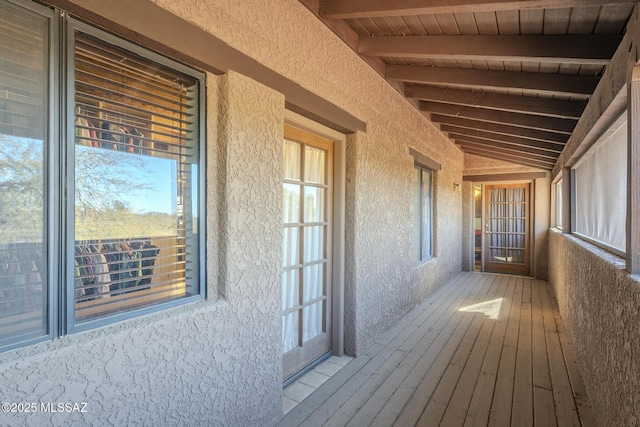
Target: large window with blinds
101,200
136,156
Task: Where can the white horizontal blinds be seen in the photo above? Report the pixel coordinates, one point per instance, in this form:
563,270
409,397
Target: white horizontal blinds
136,170
601,189
24,88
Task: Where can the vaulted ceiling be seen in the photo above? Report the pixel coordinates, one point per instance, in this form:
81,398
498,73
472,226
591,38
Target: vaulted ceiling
503,79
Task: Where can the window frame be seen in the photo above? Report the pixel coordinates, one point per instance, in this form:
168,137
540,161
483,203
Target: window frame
423,223
58,178
71,324
558,203
51,195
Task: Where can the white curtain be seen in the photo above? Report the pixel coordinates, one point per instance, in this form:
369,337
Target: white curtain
601,189
297,295
314,165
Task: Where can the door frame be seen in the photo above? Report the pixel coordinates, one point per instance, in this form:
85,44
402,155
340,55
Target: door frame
338,232
531,212
507,268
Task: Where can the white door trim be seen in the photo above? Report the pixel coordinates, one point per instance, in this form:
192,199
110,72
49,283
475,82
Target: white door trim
339,183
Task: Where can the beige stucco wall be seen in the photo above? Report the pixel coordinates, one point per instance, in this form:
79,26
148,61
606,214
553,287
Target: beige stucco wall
599,304
476,165
382,283
218,362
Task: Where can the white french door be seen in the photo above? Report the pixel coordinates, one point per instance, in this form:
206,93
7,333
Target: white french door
306,279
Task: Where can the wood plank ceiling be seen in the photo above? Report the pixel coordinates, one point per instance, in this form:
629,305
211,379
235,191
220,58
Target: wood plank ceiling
503,79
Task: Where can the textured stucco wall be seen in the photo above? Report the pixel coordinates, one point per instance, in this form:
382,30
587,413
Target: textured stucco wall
600,306
382,283
477,165
219,362
215,362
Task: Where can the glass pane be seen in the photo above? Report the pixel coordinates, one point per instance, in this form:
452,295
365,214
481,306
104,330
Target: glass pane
516,257
291,203
478,226
497,240
314,204
313,279
290,289
498,255
517,210
136,181
426,213
417,215
291,164
498,195
314,165
313,243
290,247
559,204
23,141
498,225
312,316
290,328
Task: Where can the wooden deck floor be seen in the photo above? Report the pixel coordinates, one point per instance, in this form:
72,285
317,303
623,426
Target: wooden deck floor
484,350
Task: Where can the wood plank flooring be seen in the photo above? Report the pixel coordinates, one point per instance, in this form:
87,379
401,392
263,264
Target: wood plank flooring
483,350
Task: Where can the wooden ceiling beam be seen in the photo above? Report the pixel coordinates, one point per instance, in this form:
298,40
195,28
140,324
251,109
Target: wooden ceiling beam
564,49
349,9
553,124
517,104
503,139
577,86
492,154
521,132
475,142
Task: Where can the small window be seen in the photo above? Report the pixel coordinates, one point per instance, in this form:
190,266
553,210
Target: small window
422,213
600,190
559,204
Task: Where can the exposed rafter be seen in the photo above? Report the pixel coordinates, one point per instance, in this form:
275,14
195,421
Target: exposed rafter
516,119
476,142
505,79
516,104
348,9
571,49
536,134
519,159
544,83
516,141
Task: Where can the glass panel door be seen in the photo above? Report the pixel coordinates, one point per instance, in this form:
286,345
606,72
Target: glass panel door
507,228
306,244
